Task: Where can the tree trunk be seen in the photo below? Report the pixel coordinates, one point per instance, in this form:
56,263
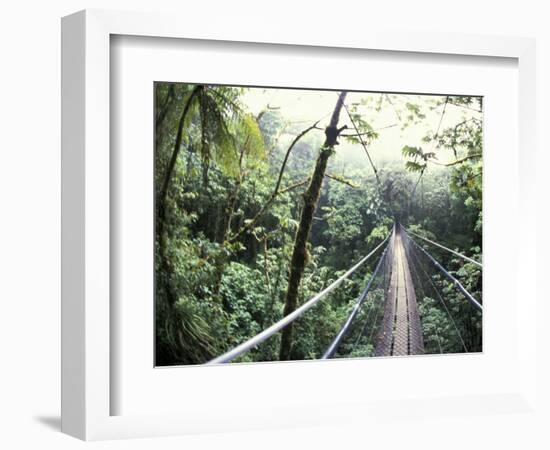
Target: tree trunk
161,199
175,152
163,110
311,198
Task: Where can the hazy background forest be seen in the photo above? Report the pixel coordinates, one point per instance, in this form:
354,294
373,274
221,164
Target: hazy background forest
233,169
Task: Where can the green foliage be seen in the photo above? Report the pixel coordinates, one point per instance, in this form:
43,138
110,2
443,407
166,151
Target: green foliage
230,284
414,111
419,157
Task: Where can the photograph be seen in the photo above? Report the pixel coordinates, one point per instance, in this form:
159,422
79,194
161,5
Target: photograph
295,224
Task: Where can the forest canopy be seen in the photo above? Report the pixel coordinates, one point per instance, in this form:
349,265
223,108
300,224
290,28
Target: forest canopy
265,196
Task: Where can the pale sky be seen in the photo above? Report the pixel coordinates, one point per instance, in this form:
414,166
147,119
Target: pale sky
307,106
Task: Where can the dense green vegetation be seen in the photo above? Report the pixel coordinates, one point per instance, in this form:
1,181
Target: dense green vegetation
236,186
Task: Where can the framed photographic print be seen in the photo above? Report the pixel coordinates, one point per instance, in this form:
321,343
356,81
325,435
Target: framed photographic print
245,248
261,206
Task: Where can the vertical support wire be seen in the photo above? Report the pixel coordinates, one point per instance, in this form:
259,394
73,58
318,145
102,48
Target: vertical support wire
389,270
374,306
414,265
457,284
386,277
440,297
333,347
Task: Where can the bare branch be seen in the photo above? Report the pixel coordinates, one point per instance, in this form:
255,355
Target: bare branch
275,192
285,160
294,186
459,161
342,180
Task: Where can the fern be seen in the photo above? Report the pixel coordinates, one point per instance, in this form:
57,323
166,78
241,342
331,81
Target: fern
414,166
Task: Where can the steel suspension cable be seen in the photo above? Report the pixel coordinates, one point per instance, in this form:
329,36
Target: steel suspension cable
414,263
385,281
455,282
333,347
372,308
473,261
388,269
442,301
268,332
364,327
374,325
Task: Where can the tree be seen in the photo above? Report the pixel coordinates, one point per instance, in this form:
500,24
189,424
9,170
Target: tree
247,227
219,118
311,198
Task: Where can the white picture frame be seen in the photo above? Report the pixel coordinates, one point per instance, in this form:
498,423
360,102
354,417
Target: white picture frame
86,222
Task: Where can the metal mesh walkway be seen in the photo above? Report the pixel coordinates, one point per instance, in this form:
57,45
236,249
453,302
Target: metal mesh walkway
401,331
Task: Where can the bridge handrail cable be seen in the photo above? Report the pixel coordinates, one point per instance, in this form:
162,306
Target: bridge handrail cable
416,263
268,332
333,347
473,261
456,283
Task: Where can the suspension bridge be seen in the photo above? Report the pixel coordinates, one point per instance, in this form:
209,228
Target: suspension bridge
387,314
